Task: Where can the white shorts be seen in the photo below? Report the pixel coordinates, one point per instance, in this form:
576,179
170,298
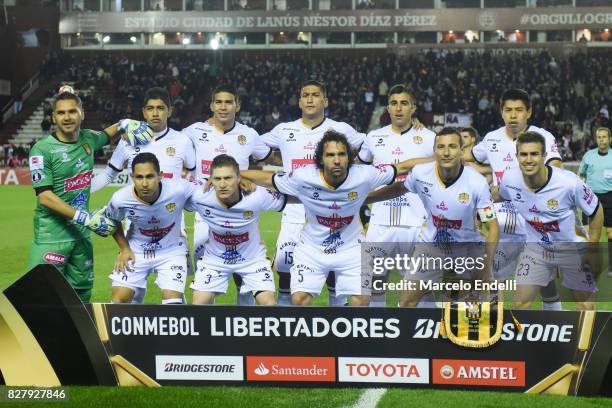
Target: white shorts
171,272
311,267
288,237
507,255
393,240
536,269
200,236
433,263
256,277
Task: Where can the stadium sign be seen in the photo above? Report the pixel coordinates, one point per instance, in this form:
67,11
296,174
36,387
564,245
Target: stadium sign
566,18
69,344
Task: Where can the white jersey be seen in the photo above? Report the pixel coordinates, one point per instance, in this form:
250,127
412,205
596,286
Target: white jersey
234,232
297,144
240,142
155,228
384,146
173,150
332,214
550,211
451,208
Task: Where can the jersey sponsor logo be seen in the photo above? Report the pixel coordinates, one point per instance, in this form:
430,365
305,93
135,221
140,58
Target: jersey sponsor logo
552,204
275,194
156,233
397,151
587,194
508,158
297,163
334,206
203,137
463,198
498,176
170,207
310,146
220,149
55,259
276,368
534,209
335,222
417,139
153,220
80,163
291,137
78,182
229,239
80,201
247,215
544,227
479,372
444,223
58,149
37,162
37,176
65,157
206,166
442,206
352,196
168,175
212,368
87,148
242,140
383,370
380,143
170,151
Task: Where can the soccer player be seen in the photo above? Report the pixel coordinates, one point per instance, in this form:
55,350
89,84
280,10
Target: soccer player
297,141
498,149
61,167
154,205
398,220
470,137
596,168
222,134
452,195
234,245
547,198
332,191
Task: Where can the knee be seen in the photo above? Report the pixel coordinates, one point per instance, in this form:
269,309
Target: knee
360,300
300,299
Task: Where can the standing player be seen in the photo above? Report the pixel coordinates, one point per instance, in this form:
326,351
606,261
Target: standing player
453,195
596,167
547,198
398,220
221,134
470,137
154,241
332,192
297,141
61,166
234,245
498,149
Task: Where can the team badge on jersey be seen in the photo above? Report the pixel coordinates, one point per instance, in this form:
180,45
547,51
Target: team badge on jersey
552,204
352,196
170,151
170,207
247,215
463,198
87,148
242,139
417,139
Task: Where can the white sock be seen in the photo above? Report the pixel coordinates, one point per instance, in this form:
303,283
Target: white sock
284,298
172,301
552,305
246,299
331,297
341,300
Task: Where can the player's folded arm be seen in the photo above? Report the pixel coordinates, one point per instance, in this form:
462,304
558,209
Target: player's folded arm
386,193
260,177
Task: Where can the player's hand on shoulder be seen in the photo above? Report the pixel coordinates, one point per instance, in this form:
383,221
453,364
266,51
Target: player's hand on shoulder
97,221
125,261
135,132
247,186
417,124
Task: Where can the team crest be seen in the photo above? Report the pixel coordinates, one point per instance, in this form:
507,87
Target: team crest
87,148
248,215
242,139
170,151
352,196
417,139
463,198
171,207
552,204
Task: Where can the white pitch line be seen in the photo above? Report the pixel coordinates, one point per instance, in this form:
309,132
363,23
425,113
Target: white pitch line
369,398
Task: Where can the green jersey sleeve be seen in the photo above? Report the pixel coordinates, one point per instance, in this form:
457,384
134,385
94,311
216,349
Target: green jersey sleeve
40,167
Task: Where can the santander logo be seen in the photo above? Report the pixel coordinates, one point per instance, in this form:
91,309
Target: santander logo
261,370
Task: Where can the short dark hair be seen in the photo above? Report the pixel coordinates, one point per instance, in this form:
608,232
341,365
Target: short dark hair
473,132
515,95
146,157
158,93
67,96
399,89
224,160
531,137
449,131
225,88
314,82
332,136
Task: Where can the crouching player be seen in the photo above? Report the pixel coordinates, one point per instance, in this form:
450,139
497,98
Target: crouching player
153,242
234,244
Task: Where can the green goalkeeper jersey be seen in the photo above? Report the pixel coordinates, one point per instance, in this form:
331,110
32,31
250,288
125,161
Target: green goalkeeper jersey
66,169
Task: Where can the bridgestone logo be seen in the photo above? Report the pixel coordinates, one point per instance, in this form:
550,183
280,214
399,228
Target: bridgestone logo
199,368
78,182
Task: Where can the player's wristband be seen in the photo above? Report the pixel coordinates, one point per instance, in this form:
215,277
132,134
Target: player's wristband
81,217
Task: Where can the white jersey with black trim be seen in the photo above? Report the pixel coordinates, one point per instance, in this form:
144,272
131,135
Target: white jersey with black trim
451,208
385,146
332,214
173,149
240,142
550,211
234,236
154,228
297,144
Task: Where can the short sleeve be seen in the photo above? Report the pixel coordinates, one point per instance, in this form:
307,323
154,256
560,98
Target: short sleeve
381,175
189,160
98,139
365,152
354,137
40,168
484,199
410,183
585,198
271,200
552,151
479,152
114,209
261,151
119,156
272,138
503,190
287,183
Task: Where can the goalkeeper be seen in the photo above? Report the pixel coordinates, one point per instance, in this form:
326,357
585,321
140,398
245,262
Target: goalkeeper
61,167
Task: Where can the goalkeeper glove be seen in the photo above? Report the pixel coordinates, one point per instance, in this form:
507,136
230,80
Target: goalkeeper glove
97,221
136,133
